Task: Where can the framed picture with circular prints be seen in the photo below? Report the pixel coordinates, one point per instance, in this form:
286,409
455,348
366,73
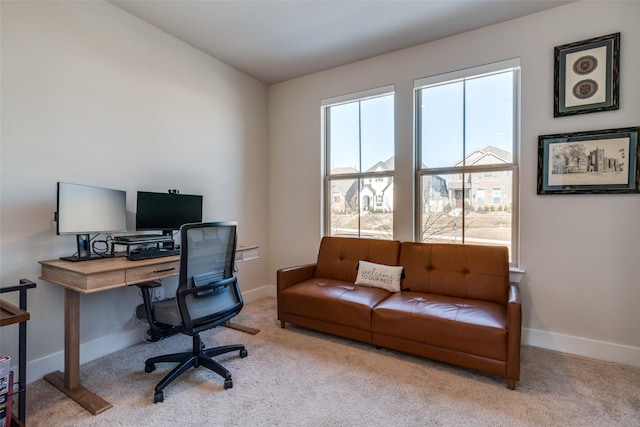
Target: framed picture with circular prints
587,76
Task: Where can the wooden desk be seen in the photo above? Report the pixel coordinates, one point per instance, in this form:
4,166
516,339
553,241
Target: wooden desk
87,277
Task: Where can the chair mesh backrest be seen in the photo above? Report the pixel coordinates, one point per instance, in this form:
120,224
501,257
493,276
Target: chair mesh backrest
207,257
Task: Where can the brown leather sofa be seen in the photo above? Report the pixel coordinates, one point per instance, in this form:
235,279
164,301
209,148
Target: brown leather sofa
455,304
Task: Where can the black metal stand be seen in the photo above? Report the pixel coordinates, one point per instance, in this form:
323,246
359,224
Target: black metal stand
22,345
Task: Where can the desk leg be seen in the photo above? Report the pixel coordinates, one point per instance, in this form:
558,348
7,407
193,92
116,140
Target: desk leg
239,327
69,382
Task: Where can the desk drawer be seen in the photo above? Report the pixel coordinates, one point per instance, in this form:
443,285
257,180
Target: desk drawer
150,272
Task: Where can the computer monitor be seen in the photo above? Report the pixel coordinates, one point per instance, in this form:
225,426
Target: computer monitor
167,212
83,210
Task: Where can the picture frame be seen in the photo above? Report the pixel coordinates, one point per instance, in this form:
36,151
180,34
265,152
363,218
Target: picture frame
587,76
591,162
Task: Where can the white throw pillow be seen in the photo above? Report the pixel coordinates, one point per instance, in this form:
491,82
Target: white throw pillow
379,276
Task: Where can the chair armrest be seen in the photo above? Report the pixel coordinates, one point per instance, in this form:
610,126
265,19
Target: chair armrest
514,331
144,285
291,275
145,291
204,291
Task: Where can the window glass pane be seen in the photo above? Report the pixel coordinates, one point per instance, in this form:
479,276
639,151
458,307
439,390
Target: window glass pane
440,215
377,131
376,203
361,207
489,118
489,223
441,125
344,138
343,209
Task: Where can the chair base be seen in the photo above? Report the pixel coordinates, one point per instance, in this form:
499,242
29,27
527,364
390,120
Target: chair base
199,356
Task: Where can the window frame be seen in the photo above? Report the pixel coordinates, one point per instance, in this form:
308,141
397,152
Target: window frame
359,177
513,167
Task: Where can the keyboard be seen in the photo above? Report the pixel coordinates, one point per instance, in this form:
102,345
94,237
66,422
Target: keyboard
149,253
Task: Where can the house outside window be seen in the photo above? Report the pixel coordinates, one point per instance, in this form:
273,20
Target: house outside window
359,142
467,139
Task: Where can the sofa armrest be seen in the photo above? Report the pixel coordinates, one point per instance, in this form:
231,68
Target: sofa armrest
514,293
291,275
514,330
286,277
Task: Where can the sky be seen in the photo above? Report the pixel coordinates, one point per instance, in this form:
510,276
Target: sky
484,104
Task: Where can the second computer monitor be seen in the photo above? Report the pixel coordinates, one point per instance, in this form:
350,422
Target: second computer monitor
167,212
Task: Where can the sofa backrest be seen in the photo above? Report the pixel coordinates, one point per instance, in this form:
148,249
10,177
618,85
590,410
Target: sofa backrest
339,256
465,271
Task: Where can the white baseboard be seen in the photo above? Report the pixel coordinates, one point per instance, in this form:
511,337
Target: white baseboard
259,293
89,351
611,352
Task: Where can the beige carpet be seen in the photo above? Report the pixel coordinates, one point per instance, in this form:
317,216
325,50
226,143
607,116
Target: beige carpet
295,377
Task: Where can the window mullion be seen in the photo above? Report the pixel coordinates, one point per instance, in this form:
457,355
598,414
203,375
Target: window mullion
360,137
360,168
464,153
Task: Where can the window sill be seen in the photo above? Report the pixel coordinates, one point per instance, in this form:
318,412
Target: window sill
515,274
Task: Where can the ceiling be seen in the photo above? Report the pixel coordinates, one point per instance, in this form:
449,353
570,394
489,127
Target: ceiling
275,41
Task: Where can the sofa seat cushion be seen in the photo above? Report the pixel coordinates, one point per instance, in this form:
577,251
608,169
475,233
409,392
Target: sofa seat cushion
336,301
459,324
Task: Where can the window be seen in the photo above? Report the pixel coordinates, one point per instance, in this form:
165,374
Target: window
359,144
480,197
466,140
497,196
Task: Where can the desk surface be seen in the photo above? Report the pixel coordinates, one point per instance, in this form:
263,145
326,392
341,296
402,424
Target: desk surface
108,273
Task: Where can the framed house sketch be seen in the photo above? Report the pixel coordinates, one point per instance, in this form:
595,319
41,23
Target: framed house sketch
587,76
603,161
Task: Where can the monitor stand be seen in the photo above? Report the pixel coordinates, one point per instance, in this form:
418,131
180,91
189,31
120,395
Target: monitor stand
169,244
84,250
76,258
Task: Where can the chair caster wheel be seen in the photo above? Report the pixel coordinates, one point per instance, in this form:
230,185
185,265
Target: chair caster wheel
150,368
228,383
158,397
244,353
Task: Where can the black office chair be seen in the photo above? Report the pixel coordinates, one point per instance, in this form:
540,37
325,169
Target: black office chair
207,296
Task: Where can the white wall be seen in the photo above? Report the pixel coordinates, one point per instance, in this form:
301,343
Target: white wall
581,289
93,95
